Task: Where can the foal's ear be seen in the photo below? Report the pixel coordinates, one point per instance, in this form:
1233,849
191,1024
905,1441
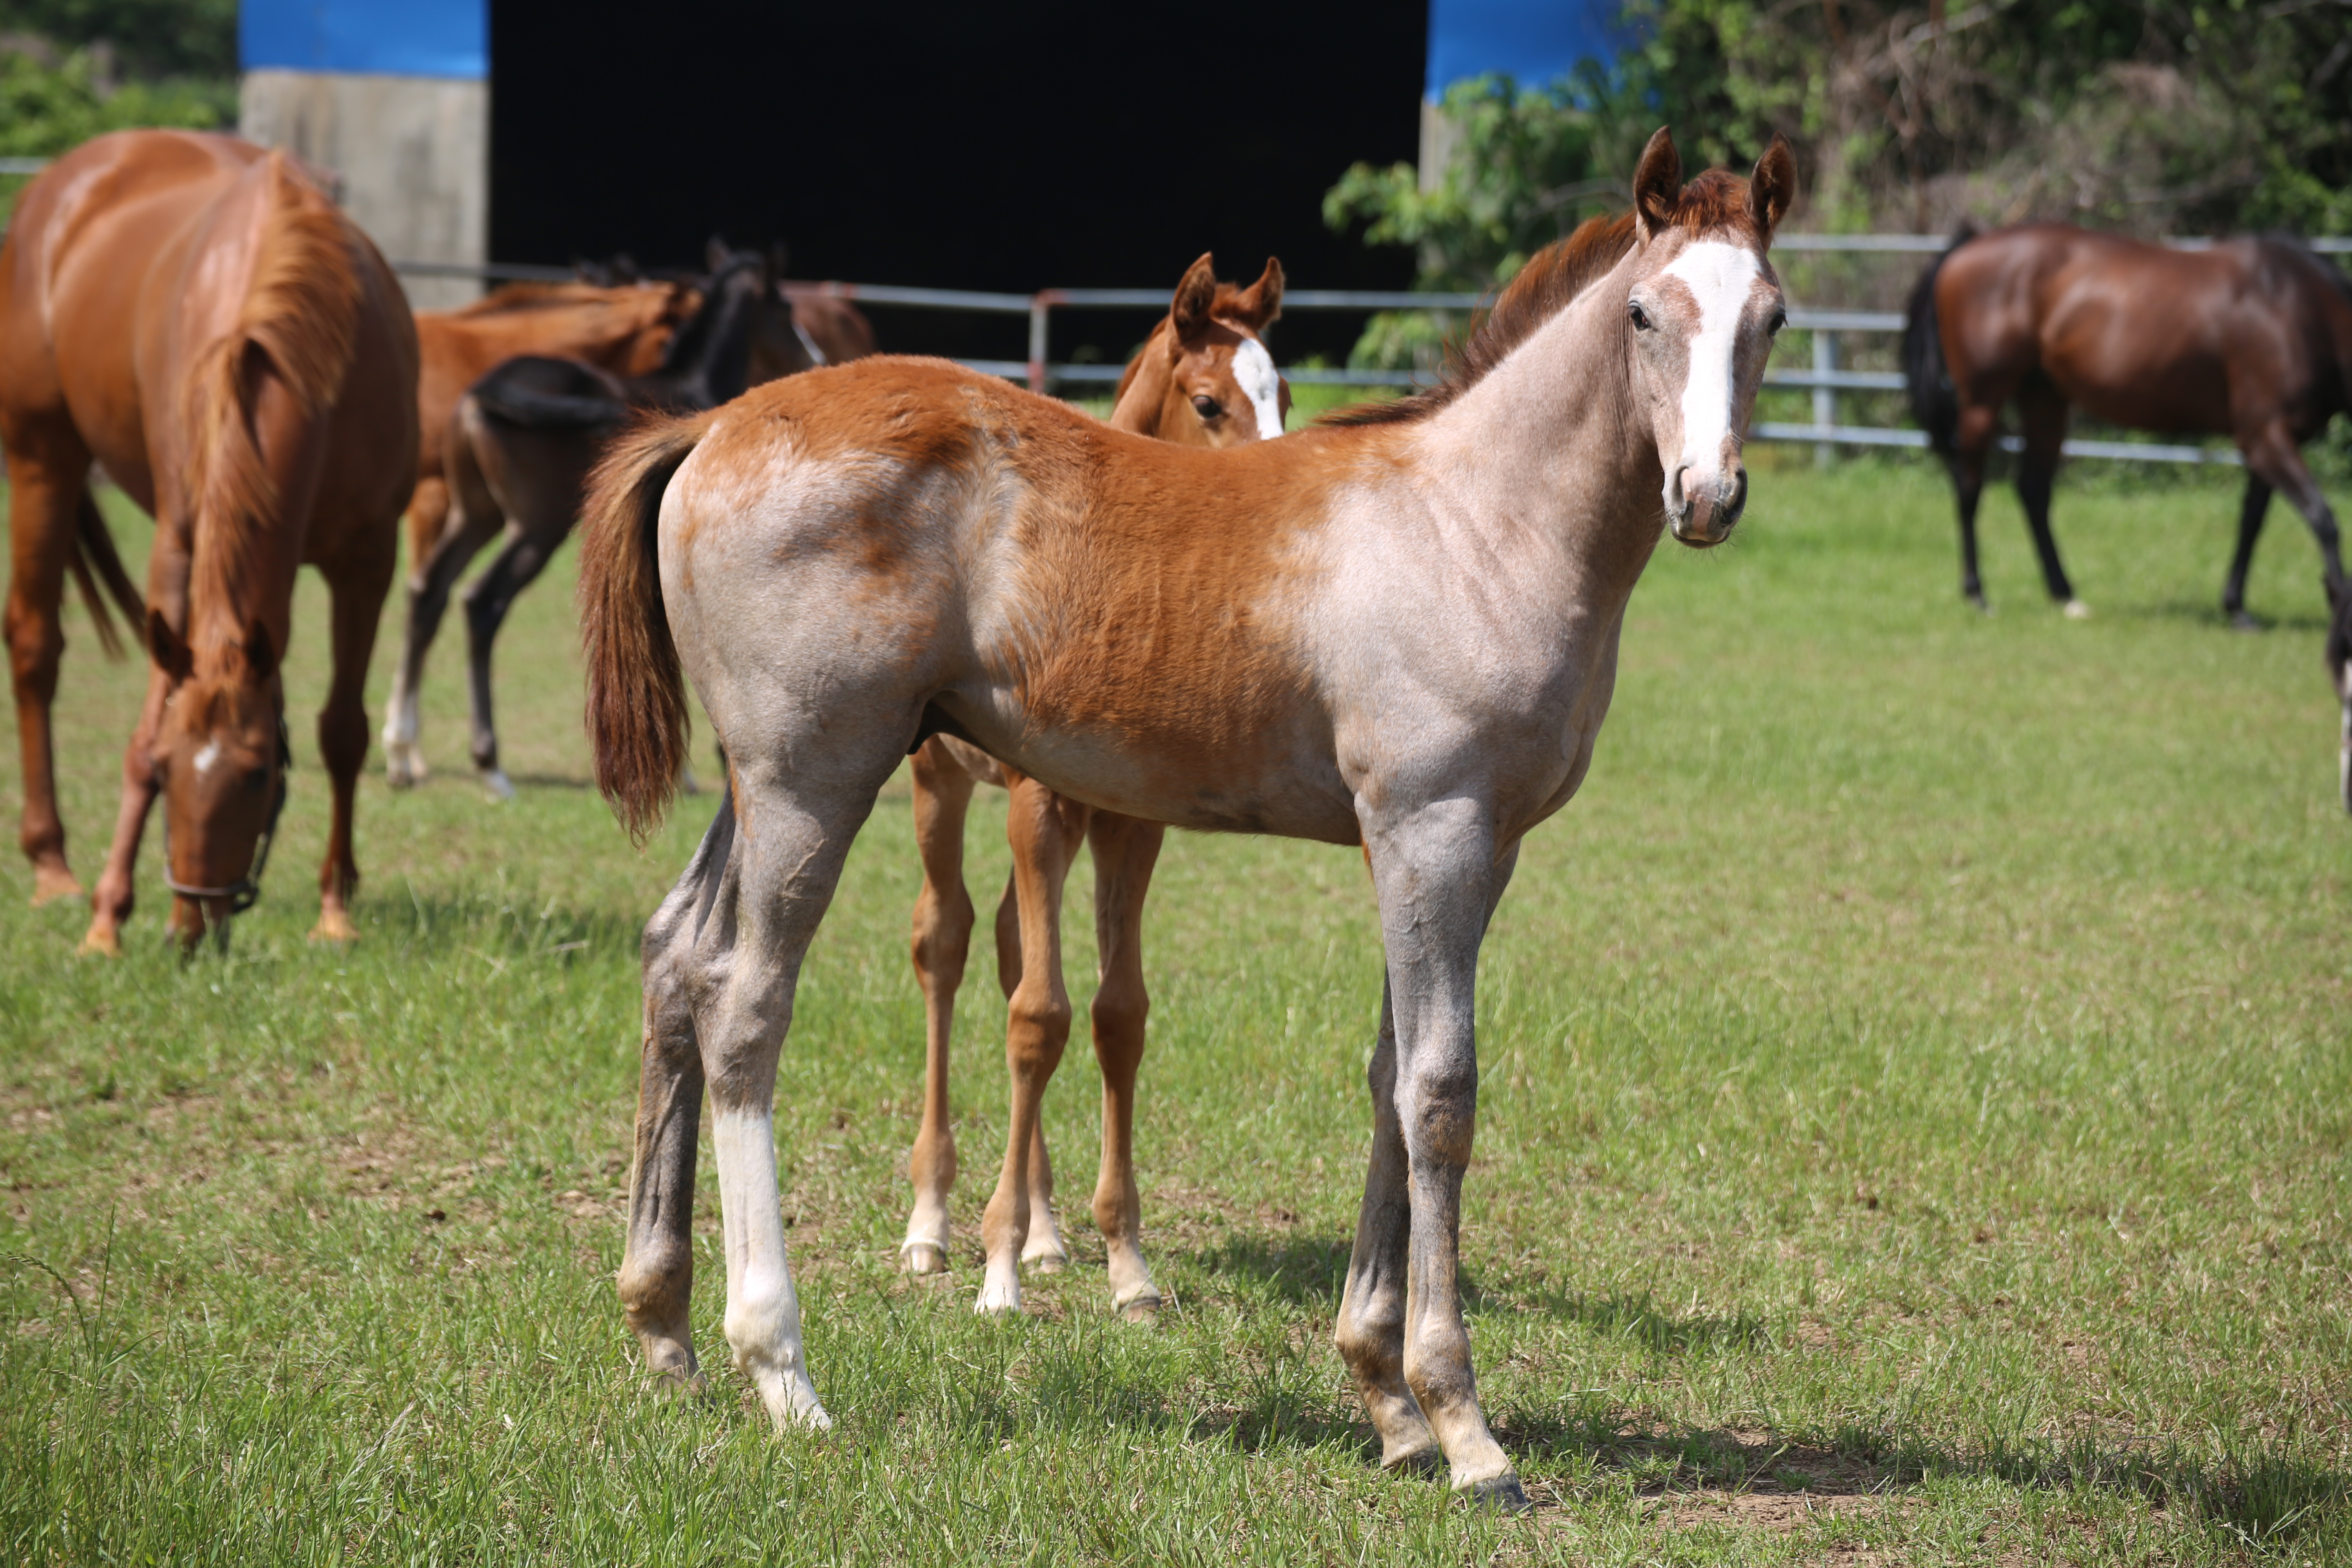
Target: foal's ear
165,646
1260,304
1772,187
779,254
260,655
1194,295
1657,184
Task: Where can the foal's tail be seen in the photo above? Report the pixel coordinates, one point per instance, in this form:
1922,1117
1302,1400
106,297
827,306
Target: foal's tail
637,723
1925,374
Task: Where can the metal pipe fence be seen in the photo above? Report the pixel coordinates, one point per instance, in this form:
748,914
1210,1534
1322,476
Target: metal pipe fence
1827,379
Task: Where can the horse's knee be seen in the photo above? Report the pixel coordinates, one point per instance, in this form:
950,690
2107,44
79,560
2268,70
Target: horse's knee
1120,1013
1039,1027
35,642
943,935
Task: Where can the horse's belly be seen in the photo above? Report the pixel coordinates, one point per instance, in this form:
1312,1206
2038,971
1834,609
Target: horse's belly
1278,783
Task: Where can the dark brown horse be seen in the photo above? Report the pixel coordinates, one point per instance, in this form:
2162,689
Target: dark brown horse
196,315
2252,340
516,456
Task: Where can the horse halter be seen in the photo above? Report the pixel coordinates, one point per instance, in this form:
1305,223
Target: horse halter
245,891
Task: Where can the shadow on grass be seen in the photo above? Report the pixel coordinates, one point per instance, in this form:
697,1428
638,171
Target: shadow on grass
2257,1495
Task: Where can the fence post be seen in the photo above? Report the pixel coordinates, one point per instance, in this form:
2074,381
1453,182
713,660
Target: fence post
1039,304
1825,409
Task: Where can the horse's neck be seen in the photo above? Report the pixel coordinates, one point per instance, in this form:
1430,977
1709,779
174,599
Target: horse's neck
1549,457
710,359
1140,401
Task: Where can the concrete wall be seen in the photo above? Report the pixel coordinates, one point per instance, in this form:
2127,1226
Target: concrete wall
412,152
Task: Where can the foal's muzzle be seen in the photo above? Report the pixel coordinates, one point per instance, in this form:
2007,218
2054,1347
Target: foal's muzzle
1704,515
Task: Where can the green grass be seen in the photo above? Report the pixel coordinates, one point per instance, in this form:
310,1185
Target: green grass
1916,1129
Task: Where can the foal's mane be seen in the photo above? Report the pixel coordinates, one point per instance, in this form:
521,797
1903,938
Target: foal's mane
1714,202
544,296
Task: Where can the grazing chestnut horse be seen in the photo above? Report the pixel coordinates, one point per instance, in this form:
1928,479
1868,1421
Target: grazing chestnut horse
1203,378
515,455
624,329
2252,340
1398,630
196,315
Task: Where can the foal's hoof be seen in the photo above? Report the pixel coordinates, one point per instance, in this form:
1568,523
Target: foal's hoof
1044,1263
334,926
2077,611
100,941
1143,1310
495,783
51,883
404,764
1501,1493
998,1296
923,1257
2240,621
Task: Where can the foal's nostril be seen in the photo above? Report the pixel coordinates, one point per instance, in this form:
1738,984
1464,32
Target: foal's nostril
1677,497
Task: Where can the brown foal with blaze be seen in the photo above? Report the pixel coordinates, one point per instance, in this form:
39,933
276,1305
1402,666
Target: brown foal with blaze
1203,378
197,316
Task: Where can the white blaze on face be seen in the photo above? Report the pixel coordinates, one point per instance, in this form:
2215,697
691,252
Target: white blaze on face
1720,277
207,756
1254,374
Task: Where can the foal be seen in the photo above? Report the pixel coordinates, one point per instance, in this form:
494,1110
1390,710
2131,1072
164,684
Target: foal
1399,631
1203,378
622,329
516,456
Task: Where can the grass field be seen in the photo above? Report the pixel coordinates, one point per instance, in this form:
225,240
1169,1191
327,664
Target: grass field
1916,1128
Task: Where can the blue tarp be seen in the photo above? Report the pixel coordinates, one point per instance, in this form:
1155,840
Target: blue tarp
1533,40
376,37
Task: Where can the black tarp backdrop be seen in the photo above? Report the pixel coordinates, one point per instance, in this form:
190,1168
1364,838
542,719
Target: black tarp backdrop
958,145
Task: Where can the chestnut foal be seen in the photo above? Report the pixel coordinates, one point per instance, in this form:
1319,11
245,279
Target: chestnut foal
1203,378
1397,630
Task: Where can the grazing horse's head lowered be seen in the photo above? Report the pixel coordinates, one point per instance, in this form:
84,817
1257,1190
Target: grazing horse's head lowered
220,755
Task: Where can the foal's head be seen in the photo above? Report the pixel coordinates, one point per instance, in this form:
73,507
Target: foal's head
1204,377
2339,671
220,756
1699,323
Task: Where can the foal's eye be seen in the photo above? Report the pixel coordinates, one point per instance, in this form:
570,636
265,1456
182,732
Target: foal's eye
1206,406
1640,317
1779,320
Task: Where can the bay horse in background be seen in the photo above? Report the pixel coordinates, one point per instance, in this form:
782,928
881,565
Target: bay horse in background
196,315
2250,339
1202,378
821,327
1398,629
623,328
516,450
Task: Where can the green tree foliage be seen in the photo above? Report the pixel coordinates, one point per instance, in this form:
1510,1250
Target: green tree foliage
2148,115
46,109
152,40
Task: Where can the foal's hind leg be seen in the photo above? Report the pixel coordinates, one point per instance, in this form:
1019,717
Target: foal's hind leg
2042,411
1044,829
487,599
942,941
780,874
656,1277
429,585
1980,424
1125,852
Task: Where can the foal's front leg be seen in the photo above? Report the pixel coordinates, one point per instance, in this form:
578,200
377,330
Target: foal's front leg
1044,829
942,942
1439,873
